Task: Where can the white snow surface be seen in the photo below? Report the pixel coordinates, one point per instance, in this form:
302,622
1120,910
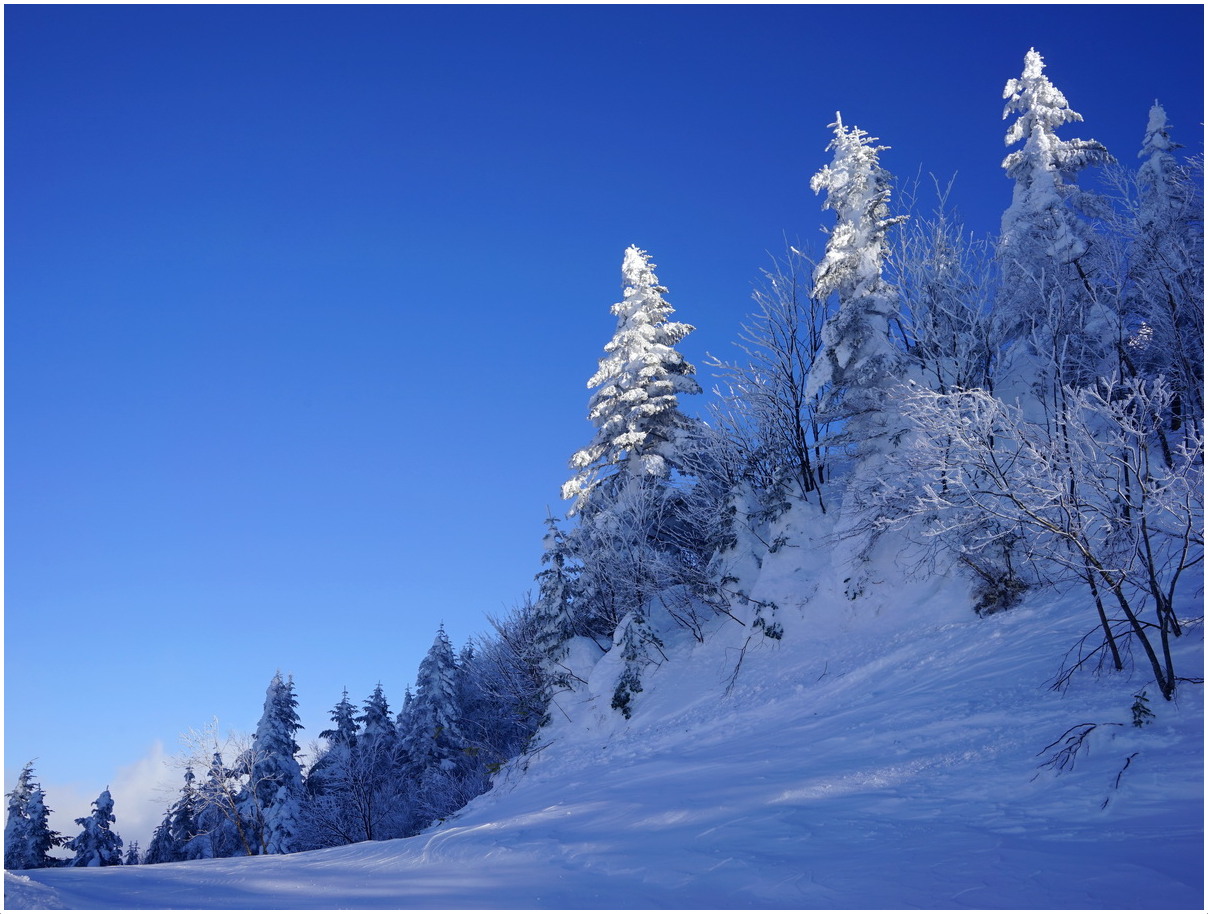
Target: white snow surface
885,754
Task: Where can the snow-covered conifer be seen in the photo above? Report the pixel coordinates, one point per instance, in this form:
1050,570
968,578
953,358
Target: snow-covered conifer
377,741
554,611
97,844
635,407
160,850
28,837
183,816
331,766
1043,237
133,855
858,359
1165,304
276,793
434,738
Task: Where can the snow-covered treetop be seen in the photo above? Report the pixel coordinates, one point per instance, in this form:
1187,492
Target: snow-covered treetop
1045,167
1157,149
857,190
1041,106
1157,133
856,348
635,408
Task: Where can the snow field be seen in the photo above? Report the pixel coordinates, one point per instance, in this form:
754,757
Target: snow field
886,753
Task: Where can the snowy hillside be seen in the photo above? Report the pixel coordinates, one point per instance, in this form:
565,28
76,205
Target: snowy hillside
886,753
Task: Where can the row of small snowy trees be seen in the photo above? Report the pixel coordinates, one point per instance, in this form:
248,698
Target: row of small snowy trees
374,775
1029,406
28,837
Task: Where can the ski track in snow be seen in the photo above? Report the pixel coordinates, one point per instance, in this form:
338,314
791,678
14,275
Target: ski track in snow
876,757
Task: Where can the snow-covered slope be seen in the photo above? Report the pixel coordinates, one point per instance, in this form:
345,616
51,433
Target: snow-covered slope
886,753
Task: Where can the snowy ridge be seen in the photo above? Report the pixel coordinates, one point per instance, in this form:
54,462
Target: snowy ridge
886,753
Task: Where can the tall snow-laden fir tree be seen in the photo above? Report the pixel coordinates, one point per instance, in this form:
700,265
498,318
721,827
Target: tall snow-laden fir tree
276,778
28,837
97,844
1048,299
635,407
858,360
1039,228
1165,304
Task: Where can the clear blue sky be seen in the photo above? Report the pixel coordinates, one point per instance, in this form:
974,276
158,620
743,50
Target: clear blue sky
300,303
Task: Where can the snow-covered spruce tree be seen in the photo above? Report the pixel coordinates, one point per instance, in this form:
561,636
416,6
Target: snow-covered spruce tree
434,740
553,613
377,742
179,836
133,855
341,738
440,758
275,796
28,837
635,407
859,360
635,541
17,854
97,844
183,821
1049,302
1165,301
161,848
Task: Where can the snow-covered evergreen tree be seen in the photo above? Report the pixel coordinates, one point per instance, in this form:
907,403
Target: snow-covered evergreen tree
177,836
635,407
554,611
161,850
434,739
16,824
28,837
183,816
276,790
343,715
378,739
97,844
133,855
859,360
1048,300
332,764
1165,304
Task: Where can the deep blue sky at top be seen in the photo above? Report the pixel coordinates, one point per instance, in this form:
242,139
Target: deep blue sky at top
300,301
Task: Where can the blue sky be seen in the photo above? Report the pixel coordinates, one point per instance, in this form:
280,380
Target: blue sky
300,303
